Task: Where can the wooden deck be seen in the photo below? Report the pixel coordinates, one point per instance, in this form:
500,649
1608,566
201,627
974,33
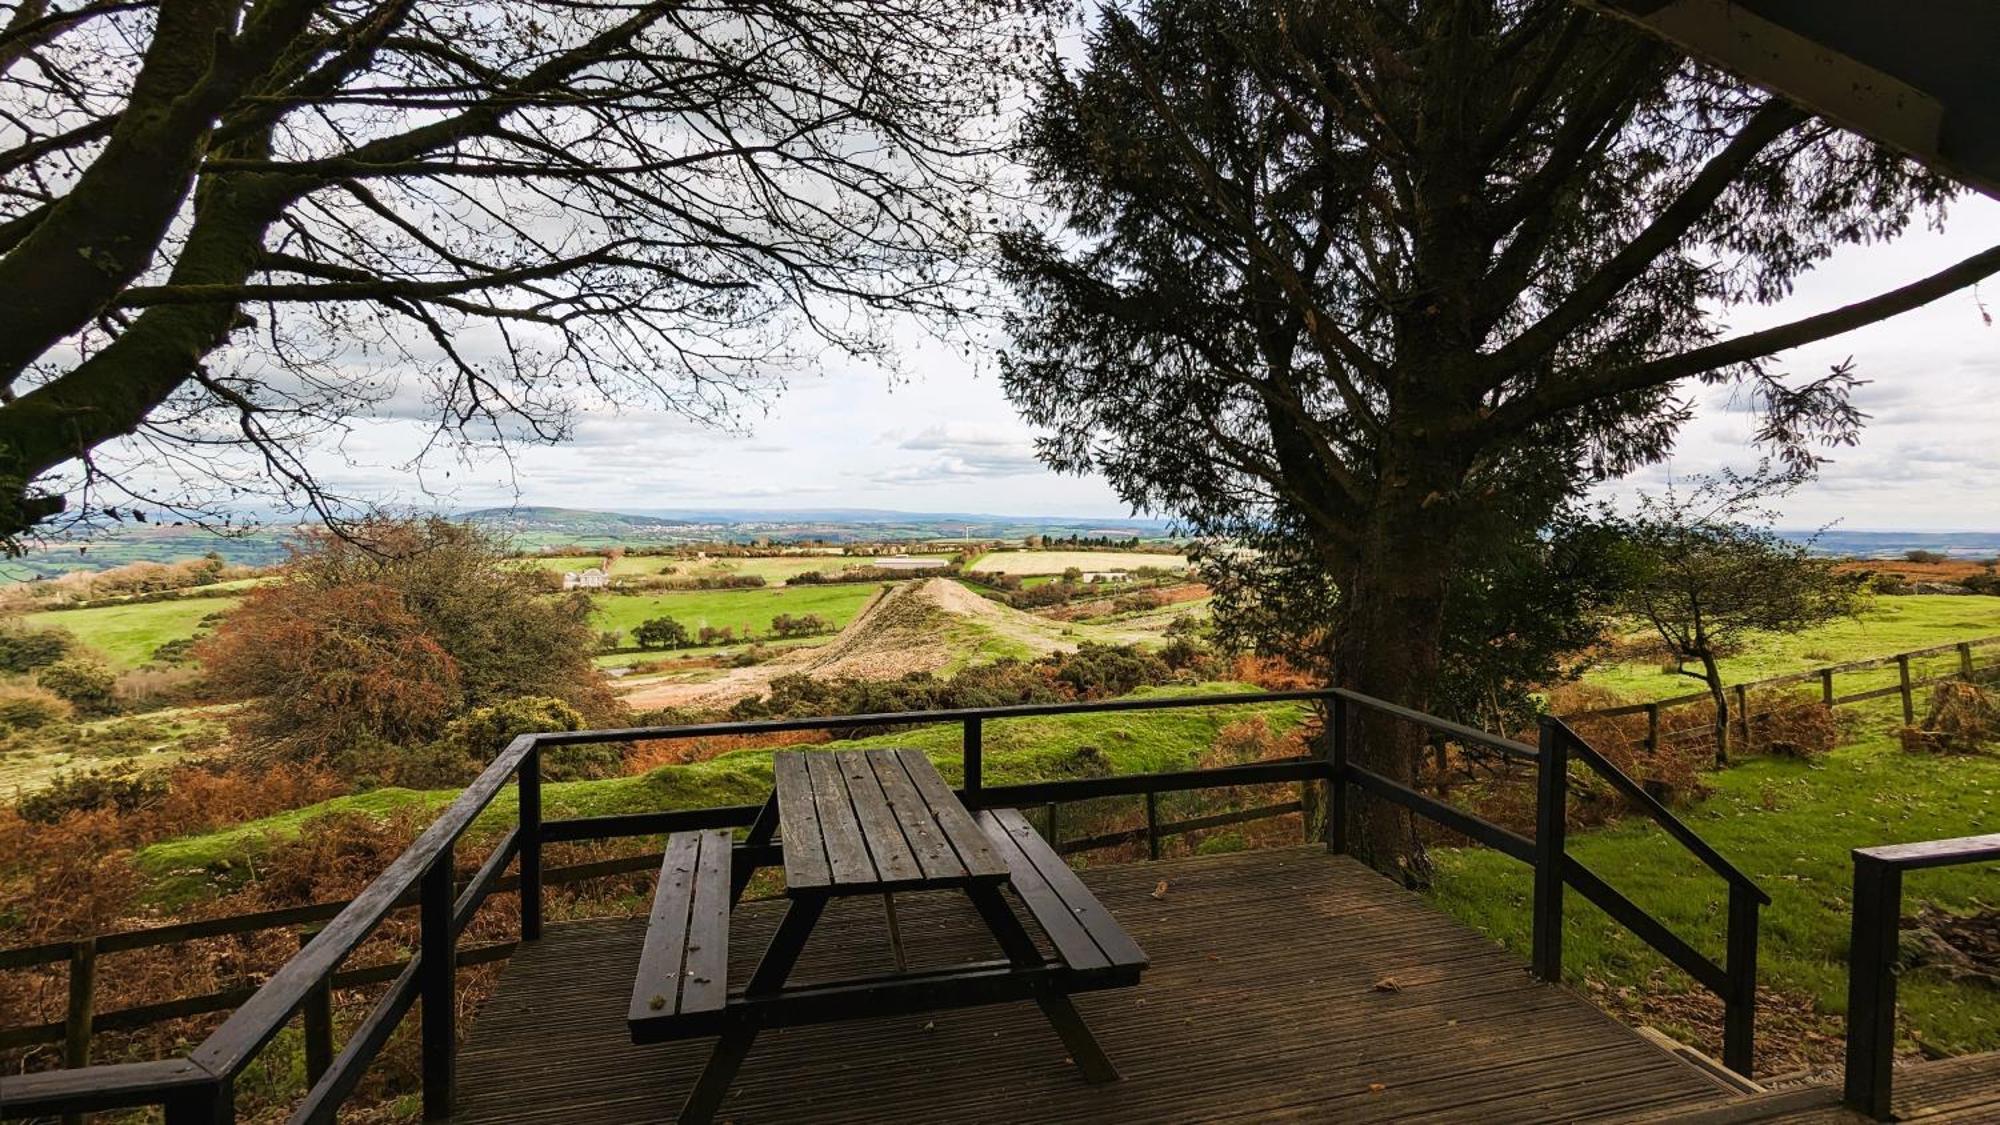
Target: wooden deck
1285,984
1956,1091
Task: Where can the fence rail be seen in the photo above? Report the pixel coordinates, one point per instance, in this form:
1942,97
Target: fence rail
200,1088
1905,686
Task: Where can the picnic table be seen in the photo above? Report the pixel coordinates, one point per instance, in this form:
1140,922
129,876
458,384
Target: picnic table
876,822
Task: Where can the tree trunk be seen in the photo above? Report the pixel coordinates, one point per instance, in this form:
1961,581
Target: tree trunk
1389,646
1713,677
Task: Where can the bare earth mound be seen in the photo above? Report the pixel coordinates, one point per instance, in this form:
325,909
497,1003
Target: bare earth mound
923,626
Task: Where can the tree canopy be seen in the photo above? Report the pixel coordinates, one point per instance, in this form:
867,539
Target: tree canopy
244,222
1392,282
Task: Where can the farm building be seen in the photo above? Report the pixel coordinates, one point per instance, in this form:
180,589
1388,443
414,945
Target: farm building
593,579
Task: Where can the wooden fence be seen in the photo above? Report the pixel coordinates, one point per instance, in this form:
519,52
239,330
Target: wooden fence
1905,686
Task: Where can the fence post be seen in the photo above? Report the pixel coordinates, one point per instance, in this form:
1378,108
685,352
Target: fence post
81,1011
1740,1008
317,1015
1871,985
1903,678
437,985
1652,728
1052,824
1153,825
529,838
973,750
213,1103
1551,823
1965,659
1336,785
1826,686
1743,713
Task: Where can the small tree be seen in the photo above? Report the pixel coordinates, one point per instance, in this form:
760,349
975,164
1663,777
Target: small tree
1708,571
660,632
84,684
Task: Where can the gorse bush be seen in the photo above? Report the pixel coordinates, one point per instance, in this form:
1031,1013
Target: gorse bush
27,707
122,788
24,649
87,685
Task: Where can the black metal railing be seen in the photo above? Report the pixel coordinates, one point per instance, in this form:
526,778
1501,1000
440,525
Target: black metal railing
200,1087
1734,980
1872,957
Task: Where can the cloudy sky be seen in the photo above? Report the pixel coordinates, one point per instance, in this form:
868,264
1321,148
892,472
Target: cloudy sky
941,437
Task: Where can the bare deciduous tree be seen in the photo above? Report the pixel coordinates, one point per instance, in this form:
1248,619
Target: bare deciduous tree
230,222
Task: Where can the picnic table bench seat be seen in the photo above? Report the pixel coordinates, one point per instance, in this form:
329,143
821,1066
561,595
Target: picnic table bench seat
683,979
1092,946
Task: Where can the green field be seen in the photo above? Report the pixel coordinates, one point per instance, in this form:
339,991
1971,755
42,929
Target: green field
1888,626
126,635
733,609
1016,750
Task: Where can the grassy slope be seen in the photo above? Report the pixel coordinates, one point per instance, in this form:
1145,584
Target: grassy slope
1890,625
128,634
774,570
1790,825
733,608
1016,750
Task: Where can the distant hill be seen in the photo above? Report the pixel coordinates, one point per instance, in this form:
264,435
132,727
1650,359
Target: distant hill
577,521
1893,544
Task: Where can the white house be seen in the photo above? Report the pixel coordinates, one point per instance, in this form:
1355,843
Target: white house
593,579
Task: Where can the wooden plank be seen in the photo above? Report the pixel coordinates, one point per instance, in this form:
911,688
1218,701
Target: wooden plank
895,863
705,976
656,989
806,866
975,850
846,852
933,852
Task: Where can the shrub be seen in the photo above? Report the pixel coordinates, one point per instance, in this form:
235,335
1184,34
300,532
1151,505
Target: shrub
87,685
24,649
481,734
801,625
27,707
1795,724
387,634
1925,557
660,632
122,788
1139,601
1982,584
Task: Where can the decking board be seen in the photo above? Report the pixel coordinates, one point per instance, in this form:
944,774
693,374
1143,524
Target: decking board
1262,1003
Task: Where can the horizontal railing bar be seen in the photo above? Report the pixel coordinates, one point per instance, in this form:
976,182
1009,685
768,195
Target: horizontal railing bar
921,718
1458,820
1649,929
1132,784
251,1026
105,1086
1179,827
1507,746
1934,853
145,1015
619,825
1674,826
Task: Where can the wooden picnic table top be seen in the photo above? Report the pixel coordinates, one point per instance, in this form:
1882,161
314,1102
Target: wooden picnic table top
870,821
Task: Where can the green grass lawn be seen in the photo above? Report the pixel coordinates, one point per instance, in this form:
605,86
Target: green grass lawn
1790,825
734,609
1016,750
1890,625
774,570
127,634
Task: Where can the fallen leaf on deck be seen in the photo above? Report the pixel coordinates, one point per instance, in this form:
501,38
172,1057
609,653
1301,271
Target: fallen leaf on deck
1161,890
1388,984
